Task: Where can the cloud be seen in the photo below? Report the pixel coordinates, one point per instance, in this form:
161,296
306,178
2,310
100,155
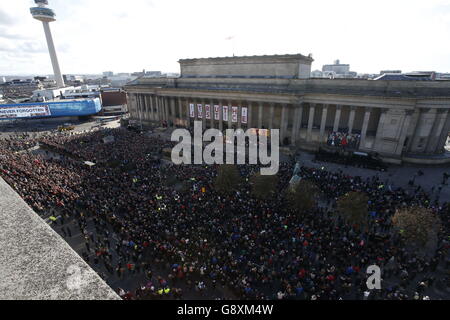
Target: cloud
94,36
5,19
4,33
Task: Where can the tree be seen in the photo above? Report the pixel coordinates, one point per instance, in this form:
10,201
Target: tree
353,207
416,225
263,186
302,196
228,179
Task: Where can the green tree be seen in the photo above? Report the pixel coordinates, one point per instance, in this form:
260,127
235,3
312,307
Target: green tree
263,186
228,179
302,196
416,225
353,207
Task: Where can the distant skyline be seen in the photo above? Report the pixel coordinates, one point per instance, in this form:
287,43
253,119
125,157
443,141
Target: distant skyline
127,36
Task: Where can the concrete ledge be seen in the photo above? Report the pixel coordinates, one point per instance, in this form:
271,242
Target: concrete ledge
36,263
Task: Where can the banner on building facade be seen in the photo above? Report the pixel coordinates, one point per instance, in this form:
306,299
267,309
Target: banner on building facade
208,111
216,112
244,115
234,114
192,110
200,111
225,113
25,111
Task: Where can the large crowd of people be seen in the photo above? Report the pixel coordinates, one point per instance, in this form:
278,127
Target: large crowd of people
247,247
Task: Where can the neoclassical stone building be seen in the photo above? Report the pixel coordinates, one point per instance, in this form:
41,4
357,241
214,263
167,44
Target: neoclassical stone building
400,120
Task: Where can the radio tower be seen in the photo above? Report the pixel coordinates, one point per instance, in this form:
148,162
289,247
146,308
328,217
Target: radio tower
46,15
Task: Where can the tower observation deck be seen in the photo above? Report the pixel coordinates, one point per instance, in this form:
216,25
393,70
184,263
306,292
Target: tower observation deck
46,15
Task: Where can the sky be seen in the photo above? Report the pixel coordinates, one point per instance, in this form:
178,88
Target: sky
92,36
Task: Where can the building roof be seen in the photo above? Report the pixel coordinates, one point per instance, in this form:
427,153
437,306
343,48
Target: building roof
258,58
354,87
402,77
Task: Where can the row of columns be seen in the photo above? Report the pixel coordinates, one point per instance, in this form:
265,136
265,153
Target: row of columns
413,124
156,108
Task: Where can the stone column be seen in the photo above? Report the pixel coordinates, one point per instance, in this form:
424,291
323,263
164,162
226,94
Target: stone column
323,122
260,115
295,125
136,106
404,131
298,119
162,109
220,103
239,115
180,110
172,110
413,128
284,122
203,114
312,110
230,115
158,108
195,102
144,107
272,112
351,119
435,134
443,134
188,112
139,107
427,122
337,118
365,126
249,115
166,109
150,103
147,108
379,134
211,114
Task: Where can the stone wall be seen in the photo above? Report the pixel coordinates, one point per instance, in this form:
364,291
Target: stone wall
36,263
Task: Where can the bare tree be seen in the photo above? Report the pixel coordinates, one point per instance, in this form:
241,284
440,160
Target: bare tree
416,225
353,208
228,179
263,186
302,196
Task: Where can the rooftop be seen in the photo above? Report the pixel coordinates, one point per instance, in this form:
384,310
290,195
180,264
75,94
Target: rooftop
353,87
260,58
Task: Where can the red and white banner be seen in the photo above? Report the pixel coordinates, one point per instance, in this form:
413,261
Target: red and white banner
244,115
200,111
234,111
208,111
192,110
225,113
216,112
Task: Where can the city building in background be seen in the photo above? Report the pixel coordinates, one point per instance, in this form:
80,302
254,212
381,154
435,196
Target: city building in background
114,102
400,121
335,70
108,74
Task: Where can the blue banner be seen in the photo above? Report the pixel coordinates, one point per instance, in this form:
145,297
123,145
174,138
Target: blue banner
62,108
